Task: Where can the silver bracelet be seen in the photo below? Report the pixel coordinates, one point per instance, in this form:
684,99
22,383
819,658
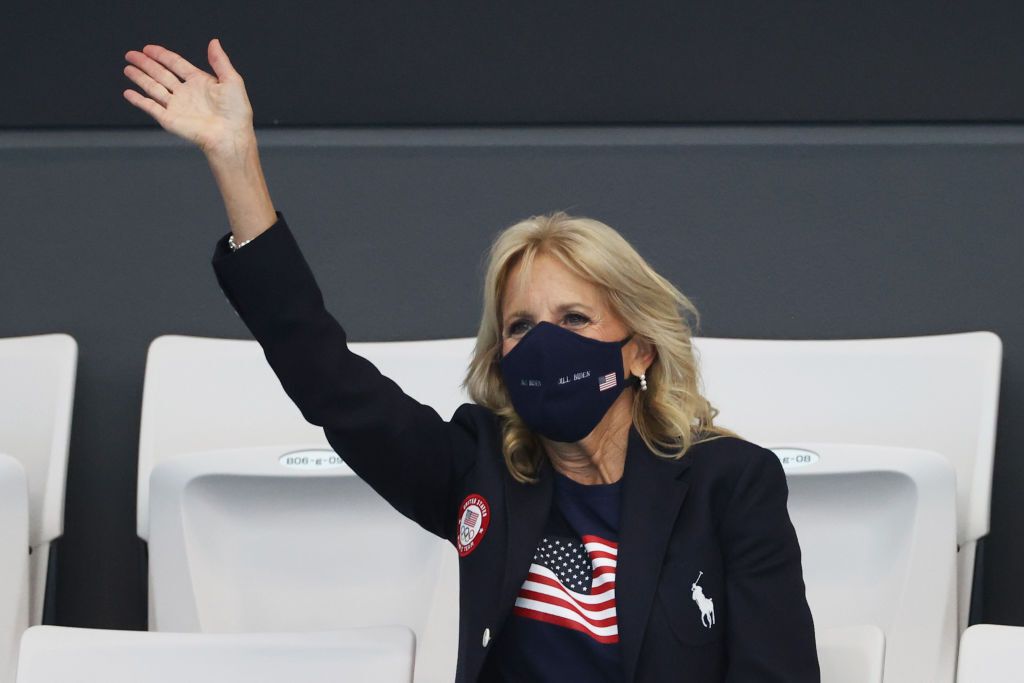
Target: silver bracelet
231,242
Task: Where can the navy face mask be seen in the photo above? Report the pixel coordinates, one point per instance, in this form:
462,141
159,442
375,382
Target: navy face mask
562,383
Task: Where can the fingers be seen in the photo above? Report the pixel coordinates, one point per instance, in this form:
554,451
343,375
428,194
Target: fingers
147,105
155,90
152,69
176,65
219,60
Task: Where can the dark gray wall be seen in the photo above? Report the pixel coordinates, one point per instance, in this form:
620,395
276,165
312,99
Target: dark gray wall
811,232
392,62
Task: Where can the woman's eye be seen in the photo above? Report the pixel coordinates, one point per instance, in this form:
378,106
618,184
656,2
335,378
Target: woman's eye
576,319
517,327
522,326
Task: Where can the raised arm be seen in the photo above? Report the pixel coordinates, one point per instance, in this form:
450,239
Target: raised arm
402,448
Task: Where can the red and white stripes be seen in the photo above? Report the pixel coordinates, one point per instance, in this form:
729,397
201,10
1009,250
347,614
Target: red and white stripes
543,596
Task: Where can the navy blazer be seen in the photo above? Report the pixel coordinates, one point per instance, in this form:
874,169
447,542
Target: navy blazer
719,512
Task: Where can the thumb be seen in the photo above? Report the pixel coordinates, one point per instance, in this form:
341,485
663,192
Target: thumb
219,61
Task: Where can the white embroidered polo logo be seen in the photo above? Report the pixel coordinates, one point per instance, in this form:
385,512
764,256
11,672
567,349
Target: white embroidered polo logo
706,604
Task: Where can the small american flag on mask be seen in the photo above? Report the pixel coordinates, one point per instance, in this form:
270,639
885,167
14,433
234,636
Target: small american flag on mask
606,381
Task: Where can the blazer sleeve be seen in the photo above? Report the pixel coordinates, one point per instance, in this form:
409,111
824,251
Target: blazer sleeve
402,448
770,628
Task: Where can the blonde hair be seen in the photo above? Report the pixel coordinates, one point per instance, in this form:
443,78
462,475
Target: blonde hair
672,414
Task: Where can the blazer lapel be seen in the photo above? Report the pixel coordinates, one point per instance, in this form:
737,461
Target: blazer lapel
653,491
526,511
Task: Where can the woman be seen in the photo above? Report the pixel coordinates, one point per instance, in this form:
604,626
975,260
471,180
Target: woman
607,530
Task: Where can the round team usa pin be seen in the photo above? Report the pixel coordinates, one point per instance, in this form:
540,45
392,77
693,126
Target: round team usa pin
474,516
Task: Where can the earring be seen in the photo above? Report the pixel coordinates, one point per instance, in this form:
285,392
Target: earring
643,382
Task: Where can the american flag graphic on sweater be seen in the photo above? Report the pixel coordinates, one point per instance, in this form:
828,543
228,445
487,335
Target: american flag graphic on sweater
571,583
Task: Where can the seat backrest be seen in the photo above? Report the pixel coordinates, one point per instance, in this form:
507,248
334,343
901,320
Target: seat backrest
991,653
205,394
877,526
36,399
289,539
54,654
14,586
37,389
937,393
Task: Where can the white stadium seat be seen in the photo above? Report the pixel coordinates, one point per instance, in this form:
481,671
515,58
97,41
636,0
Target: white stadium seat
935,393
14,564
36,398
37,387
877,529
57,654
246,533
938,392
991,653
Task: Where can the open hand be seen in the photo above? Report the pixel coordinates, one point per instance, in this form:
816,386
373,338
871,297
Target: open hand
211,111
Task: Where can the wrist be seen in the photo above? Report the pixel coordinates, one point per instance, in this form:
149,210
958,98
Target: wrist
237,150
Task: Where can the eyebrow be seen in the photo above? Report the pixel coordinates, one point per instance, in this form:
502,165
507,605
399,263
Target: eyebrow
560,309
